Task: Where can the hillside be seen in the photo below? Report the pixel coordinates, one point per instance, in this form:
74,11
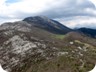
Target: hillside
40,44
88,32
48,24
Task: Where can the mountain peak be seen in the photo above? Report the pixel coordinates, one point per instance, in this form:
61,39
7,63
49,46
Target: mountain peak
35,18
43,17
47,24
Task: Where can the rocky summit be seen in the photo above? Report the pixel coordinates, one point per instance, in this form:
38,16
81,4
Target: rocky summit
40,44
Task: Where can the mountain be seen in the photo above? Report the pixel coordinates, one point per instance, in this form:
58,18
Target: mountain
40,44
47,24
88,32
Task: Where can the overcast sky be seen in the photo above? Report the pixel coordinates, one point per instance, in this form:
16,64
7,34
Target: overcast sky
72,13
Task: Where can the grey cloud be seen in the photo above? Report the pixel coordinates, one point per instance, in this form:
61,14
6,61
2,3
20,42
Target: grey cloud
66,8
71,9
87,25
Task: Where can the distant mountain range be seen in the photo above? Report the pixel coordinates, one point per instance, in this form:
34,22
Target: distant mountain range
56,27
87,31
40,44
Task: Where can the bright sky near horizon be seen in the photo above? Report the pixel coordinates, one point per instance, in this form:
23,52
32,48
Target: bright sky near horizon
72,13
93,1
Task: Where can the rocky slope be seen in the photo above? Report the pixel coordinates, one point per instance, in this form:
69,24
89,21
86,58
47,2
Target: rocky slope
39,44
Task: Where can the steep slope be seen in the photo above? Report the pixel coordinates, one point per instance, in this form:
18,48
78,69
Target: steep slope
19,42
48,24
27,46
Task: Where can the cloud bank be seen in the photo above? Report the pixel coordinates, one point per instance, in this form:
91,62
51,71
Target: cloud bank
71,13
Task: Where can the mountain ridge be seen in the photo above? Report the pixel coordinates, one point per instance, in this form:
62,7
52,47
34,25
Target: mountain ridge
88,31
30,47
48,24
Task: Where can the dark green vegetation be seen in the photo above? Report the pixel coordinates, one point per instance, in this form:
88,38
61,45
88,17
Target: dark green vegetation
39,44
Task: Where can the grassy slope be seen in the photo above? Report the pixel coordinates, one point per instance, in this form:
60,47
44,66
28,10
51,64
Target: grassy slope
71,62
